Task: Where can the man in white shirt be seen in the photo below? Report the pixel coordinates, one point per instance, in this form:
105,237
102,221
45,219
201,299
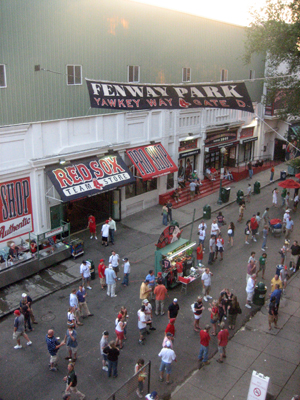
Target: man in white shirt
206,283
111,280
105,233
202,232
126,267
250,290
167,356
112,229
142,324
114,261
74,303
214,230
288,227
85,270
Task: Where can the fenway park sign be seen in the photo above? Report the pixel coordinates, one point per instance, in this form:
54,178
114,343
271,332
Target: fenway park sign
124,96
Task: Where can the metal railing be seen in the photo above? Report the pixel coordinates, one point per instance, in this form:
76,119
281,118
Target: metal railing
265,160
128,390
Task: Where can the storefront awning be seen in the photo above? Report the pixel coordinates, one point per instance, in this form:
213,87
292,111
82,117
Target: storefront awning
253,139
90,176
152,161
228,144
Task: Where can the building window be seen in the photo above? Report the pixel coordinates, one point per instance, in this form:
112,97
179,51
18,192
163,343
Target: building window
133,73
224,75
2,76
252,74
186,74
139,186
74,75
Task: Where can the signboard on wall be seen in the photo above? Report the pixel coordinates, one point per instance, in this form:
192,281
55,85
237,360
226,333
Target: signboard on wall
16,209
126,96
214,138
89,177
247,132
187,145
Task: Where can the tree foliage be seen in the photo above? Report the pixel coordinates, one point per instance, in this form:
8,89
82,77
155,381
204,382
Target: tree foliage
275,33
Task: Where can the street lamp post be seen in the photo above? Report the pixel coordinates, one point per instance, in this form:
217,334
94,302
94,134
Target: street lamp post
222,151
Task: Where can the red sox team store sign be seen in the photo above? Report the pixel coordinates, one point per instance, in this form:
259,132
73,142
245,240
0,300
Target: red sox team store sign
89,177
16,209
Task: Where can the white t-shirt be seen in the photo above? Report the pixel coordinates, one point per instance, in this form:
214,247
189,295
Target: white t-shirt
114,260
126,267
250,285
148,311
286,216
193,186
206,278
85,269
73,300
167,355
202,234
105,230
141,319
214,229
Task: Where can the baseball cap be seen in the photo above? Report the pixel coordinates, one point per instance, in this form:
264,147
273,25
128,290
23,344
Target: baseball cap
153,394
17,312
175,300
169,334
125,259
102,260
145,301
66,396
24,295
107,221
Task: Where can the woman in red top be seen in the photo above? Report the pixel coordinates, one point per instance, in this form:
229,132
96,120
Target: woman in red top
199,253
214,316
92,226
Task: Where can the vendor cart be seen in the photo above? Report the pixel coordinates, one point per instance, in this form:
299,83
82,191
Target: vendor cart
276,226
77,247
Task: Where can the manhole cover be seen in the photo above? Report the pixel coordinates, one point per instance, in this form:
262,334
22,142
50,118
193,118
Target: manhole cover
48,317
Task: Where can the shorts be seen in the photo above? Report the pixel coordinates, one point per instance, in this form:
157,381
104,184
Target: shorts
53,359
220,249
250,296
72,349
272,318
221,349
17,335
197,316
254,231
143,331
104,357
120,335
231,234
165,366
92,229
102,281
116,269
104,239
262,267
205,290
212,321
294,259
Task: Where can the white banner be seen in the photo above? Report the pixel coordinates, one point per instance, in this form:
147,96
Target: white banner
15,227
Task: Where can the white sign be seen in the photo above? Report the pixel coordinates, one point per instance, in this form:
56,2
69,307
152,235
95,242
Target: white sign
16,227
54,232
258,386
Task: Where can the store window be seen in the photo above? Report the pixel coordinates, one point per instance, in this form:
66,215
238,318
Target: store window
186,74
2,76
224,75
170,181
247,151
139,186
74,75
133,73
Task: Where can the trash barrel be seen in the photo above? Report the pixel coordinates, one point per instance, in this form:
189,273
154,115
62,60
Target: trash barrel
239,196
259,294
206,212
174,223
225,194
93,275
282,175
256,187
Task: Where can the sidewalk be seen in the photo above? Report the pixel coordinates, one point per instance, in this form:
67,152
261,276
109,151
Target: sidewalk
274,353
149,225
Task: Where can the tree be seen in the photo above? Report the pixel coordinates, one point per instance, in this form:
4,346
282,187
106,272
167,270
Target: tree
275,32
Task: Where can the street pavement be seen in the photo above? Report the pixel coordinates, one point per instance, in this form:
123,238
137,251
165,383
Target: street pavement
24,373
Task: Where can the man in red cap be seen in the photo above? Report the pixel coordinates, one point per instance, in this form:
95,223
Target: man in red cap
171,327
101,273
19,330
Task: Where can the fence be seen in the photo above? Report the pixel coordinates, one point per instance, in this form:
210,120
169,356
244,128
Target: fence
128,390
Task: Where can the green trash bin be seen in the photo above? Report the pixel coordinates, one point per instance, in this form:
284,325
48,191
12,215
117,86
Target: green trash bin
256,187
239,196
206,212
259,294
93,275
225,194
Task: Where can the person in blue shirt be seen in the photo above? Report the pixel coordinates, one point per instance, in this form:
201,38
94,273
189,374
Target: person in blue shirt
276,294
83,307
53,346
151,279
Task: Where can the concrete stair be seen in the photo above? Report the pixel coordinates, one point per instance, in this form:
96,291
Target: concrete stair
208,187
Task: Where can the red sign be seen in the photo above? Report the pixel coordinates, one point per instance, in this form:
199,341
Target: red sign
170,235
16,209
152,161
247,132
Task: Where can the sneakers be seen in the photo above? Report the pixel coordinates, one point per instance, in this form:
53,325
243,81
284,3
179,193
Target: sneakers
248,306
91,237
254,239
115,295
105,368
209,297
29,343
90,315
263,249
246,242
205,298
291,268
53,369
88,287
139,394
141,342
96,237
18,346
152,329
119,279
